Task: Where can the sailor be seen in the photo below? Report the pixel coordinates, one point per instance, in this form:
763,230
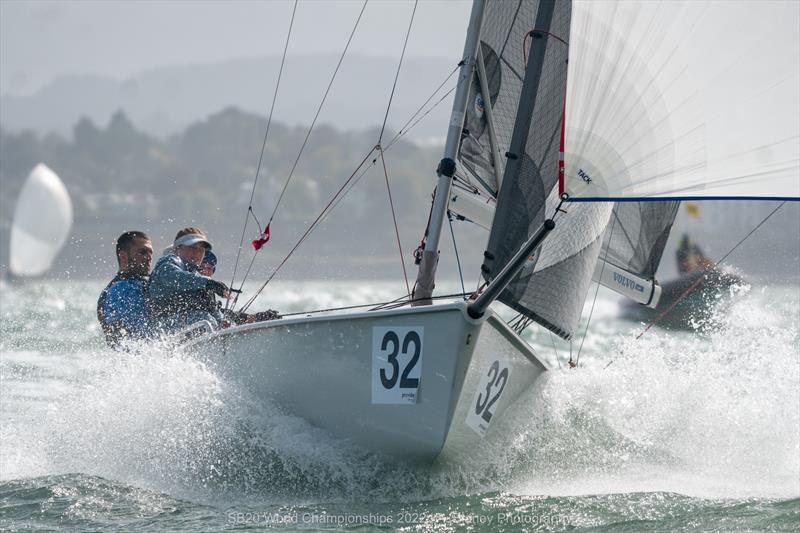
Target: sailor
690,257
122,306
207,268
209,264
178,293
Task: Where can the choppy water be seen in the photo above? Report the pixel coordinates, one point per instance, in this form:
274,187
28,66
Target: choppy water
681,431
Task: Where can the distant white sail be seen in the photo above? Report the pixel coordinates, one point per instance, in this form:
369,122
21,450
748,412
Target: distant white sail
42,223
683,100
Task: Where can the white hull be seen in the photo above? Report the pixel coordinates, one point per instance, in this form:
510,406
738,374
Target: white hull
407,382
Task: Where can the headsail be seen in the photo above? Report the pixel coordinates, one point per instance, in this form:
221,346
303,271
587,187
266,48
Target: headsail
638,233
42,222
683,100
632,249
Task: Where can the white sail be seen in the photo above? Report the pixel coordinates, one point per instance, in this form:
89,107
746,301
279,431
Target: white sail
672,99
42,222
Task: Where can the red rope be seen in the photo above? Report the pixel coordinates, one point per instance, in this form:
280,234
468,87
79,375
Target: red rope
394,220
702,278
678,300
529,34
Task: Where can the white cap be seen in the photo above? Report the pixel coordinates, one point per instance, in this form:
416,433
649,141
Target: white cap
190,239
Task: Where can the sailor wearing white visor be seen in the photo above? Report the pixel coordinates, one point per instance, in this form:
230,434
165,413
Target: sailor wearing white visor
178,293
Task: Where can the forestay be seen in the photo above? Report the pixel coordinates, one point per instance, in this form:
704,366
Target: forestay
683,100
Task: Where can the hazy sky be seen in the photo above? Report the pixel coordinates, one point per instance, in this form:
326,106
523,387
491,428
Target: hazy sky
40,40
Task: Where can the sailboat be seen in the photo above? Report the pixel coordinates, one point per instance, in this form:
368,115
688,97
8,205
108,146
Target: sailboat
579,127
690,301
41,225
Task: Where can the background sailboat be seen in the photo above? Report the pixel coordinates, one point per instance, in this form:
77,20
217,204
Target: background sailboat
41,225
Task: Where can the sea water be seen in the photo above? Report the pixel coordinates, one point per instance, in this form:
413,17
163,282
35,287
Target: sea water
673,431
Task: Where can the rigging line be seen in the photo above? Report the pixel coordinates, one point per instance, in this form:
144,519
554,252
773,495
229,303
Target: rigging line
395,301
455,248
464,183
397,74
417,112
386,149
394,217
325,211
241,285
468,189
313,225
570,363
375,306
391,143
403,304
397,137
396,305
354,182
319,110
530,34
400,135
337,198
263,146
596,291
702,278
555,350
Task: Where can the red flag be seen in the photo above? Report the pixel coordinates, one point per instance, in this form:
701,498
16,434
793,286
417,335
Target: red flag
262,240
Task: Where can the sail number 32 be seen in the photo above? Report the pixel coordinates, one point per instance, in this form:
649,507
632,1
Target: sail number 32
396,364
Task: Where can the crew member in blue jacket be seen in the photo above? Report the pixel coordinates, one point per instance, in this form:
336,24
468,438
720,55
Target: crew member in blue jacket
122,306
178,294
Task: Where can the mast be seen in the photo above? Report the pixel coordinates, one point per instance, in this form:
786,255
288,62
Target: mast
423,288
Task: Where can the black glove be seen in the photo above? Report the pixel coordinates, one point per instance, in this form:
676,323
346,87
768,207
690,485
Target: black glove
269,314
217,287
235,317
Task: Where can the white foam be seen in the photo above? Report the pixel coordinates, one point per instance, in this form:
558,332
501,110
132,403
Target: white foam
711,416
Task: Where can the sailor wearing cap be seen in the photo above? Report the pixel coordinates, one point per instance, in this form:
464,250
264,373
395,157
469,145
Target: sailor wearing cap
178,293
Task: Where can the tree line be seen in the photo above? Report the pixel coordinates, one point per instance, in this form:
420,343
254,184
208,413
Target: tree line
120,177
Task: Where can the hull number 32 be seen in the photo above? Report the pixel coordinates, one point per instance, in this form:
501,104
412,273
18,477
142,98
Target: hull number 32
491,386
396,364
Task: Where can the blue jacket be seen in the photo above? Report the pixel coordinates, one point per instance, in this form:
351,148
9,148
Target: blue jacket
122,309
178,296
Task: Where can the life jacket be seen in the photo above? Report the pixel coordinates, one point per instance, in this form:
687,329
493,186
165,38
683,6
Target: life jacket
112,330
181,304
